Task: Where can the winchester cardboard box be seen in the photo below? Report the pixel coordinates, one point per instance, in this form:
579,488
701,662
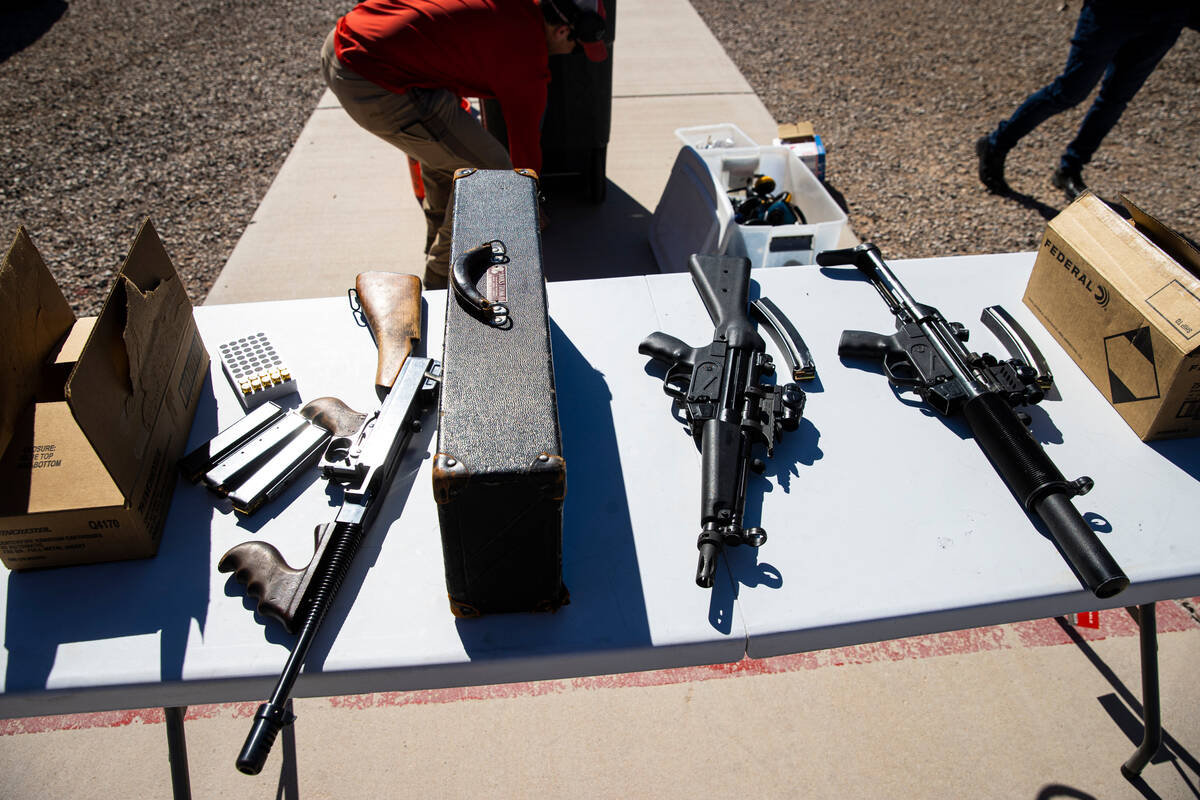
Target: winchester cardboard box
94,412
1123,299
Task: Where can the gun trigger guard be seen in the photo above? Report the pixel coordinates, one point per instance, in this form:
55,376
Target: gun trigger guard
462,280
891,367
677,381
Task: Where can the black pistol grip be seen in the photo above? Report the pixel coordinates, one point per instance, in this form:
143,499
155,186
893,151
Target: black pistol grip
1041,488
665,348
268,579
865,344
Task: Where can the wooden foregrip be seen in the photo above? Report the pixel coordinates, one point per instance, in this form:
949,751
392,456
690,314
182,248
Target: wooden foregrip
278,588
391,303
333,415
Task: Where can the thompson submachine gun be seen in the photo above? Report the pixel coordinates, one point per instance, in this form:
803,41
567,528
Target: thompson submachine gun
364,463
728,407
926,354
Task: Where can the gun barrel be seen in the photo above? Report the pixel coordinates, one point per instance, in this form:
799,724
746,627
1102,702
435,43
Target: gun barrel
272,715
1092,562
1041,488
706,566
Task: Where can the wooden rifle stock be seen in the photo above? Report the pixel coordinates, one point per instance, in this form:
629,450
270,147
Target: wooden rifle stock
391,302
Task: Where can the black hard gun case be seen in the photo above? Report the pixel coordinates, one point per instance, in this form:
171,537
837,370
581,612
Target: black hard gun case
499,475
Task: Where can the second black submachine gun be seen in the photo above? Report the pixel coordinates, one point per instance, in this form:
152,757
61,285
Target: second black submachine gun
728,407
926,354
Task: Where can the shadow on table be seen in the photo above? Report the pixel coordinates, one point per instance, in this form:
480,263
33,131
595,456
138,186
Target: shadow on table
796,449
607,612
1183,453
584,240
162,595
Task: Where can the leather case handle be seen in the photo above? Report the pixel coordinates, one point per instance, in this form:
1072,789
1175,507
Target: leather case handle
466,270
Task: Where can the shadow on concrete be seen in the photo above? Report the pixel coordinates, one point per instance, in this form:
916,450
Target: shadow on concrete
22,22
1054,791
1127,712
585,240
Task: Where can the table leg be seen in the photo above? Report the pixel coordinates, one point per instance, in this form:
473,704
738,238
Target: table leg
181,784
1151,707
289,778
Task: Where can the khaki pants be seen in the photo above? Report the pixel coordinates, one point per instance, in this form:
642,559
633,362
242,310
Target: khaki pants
431,126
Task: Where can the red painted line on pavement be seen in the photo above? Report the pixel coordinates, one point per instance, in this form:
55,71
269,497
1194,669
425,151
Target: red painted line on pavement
1114,623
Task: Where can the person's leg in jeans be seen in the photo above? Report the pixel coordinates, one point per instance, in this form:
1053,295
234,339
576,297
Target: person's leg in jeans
1095,43
1131,66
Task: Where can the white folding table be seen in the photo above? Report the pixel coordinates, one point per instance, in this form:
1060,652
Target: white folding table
884,520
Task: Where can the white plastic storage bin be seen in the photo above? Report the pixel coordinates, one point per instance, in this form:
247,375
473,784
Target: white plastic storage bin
695,213
707,137
780,245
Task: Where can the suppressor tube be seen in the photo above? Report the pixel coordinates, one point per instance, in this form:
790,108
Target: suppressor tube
1041,488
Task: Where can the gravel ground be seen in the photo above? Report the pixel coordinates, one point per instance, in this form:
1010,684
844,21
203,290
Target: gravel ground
900,92
122,109
114,110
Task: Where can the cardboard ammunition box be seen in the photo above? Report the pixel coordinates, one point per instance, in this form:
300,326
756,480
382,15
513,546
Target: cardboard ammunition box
94,412
1123,299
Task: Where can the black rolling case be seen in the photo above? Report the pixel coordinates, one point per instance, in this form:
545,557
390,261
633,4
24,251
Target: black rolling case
499,475
578,118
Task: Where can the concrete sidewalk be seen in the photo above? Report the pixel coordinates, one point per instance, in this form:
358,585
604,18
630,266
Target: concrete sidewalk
1030,710
343,203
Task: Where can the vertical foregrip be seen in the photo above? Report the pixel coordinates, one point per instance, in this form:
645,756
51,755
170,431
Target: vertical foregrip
1040,487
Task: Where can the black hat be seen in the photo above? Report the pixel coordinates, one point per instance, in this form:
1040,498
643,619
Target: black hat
587,21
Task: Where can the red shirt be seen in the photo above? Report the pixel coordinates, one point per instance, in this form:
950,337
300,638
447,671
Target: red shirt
474,48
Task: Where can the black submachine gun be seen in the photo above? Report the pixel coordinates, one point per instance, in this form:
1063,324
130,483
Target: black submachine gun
728,407
926,354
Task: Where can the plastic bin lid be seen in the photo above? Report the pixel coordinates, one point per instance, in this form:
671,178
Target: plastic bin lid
686,220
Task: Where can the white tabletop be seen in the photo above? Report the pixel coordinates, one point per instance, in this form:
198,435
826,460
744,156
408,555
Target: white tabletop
884,521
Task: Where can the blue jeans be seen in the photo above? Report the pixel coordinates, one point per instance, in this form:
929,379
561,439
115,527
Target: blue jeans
1121,41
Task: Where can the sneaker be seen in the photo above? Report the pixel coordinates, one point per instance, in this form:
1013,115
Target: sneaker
991,166
1070,181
